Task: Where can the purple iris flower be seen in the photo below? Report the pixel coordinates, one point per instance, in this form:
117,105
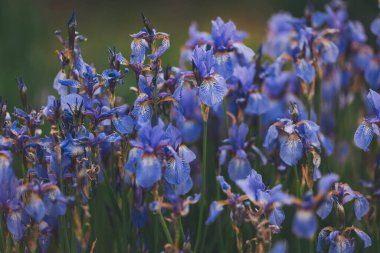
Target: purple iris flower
341,240
212,86
305,222
239,166
369,127
340,195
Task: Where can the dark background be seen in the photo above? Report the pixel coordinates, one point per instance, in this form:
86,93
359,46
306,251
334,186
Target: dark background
27,42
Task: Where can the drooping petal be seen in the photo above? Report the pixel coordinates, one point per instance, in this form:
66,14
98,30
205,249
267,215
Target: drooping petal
257,104
239,168
279,247
186,153
325,209
144,86
363,136
212,90
36,208
251,184
322,236
139,48
177,170
160,50
361,207
364,237
374,99
223,64
291,150
148,171
305,71
329,52
123,124
277,216
15,224
139,216
142,109
270,137
375,27
71,101
304,224
184,187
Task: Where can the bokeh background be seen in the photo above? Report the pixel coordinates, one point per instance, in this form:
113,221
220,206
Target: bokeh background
27,42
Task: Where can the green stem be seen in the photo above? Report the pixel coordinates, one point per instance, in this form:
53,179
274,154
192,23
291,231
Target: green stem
181,229
165,228
2,230
203,189
225,113
155,105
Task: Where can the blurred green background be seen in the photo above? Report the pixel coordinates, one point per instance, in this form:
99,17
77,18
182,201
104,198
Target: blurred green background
27,44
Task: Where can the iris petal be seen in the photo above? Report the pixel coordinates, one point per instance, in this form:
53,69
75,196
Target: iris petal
148,171
304,224
291,150
363,136
212,90
361,207
239,168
